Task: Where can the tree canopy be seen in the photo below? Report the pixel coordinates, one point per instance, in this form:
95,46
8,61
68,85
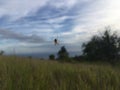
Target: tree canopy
103,47
63,53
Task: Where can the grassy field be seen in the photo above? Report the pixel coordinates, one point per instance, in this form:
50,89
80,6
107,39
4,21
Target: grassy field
33,74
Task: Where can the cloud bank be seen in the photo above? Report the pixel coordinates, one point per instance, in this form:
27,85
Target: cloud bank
7,34
38,22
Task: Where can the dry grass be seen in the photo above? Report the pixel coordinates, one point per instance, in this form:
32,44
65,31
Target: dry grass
32,74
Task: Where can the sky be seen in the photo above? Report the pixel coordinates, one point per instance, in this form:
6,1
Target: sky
30,26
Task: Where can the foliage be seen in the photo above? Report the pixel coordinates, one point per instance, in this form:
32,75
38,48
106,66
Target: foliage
1,52
103,47
79,58
52,57
63,54
32,74
30,57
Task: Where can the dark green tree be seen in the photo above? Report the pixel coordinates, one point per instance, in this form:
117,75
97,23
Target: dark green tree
30,57
63,54
103,47
52,57
1,52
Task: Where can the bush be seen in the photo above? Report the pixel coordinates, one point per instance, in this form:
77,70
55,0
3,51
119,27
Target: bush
105,47
1,52
63,54
52,57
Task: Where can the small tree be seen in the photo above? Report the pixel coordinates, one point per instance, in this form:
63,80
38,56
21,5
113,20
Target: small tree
63,54
1,52
52,57
30,57
104,47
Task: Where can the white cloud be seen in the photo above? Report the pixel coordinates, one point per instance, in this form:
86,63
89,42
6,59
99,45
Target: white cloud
95,17
91,17
20,8
63,3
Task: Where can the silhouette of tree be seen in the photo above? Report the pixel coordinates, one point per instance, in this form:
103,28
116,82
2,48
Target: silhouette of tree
52,57
1,52
103,47
63,54
30,57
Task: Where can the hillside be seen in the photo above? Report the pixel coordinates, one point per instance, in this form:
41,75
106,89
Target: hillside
33,74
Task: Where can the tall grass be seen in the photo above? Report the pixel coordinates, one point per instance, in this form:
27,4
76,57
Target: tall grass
32,74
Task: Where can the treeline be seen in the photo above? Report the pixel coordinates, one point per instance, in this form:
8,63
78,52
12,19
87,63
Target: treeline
103,47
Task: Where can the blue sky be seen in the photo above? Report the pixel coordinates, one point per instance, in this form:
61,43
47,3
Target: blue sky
30,26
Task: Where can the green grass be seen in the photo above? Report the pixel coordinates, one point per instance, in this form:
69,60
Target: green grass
32,74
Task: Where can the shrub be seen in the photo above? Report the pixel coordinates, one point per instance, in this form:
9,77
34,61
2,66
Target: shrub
52,57
63,54
104,47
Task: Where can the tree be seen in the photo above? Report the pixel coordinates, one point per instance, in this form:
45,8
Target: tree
63,54
103,47
1,52
52,57
30,57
